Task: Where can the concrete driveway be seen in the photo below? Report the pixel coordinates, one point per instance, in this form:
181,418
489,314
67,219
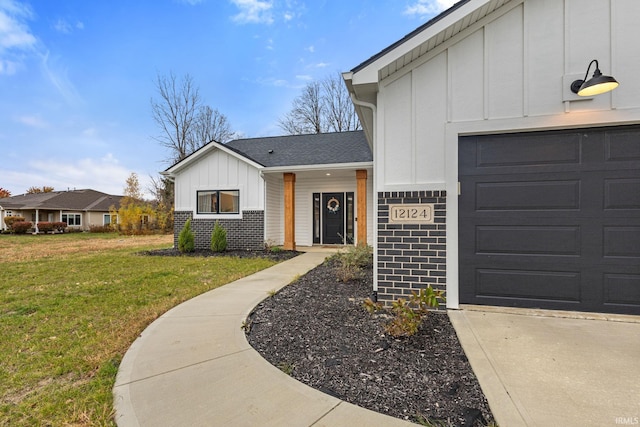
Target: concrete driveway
539,368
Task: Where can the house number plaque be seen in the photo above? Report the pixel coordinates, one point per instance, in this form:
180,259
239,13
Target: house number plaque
411,214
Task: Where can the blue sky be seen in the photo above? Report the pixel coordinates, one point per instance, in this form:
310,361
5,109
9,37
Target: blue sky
77,76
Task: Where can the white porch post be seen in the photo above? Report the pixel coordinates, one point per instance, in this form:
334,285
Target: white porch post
37,218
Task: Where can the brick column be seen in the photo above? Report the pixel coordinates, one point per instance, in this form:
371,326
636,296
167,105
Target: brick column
289,211
361,177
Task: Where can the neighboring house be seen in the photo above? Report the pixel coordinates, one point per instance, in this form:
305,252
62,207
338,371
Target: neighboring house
526,194
80,209
289,190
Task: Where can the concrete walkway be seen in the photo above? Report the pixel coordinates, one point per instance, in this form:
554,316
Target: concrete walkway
194,367
541,368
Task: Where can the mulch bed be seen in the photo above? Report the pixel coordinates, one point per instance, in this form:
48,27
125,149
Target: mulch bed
317,331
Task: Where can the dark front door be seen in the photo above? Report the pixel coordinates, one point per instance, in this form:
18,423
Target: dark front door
551,220
333,218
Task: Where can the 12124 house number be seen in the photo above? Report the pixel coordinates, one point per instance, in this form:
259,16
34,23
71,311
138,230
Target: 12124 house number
411,214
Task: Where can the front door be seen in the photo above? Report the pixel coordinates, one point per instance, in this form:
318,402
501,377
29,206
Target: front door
332,208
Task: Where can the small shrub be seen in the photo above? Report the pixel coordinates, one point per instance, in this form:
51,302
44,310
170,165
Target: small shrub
45,227
9,220
218,238
352,262
406,321
60,226
372,307
21,227
101,229
408,314
186,239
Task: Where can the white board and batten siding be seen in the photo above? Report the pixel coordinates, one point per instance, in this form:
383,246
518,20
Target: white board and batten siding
218,170
508,72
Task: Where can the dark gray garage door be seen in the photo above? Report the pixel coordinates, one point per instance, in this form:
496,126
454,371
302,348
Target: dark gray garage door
551,220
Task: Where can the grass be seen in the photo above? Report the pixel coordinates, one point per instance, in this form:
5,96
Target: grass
70,307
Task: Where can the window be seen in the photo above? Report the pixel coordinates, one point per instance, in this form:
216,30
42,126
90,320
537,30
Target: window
219,202
72,219
110,219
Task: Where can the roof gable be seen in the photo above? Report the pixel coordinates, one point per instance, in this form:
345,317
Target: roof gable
203,151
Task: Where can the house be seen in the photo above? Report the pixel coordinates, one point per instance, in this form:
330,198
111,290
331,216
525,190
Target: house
80,209
492,177
288,190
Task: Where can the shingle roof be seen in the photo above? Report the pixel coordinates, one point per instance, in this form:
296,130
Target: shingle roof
301,150
81,200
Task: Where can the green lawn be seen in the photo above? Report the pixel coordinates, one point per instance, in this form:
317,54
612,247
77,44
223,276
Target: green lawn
71,305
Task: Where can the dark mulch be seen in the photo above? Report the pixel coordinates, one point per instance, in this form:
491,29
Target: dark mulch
275,255
317,329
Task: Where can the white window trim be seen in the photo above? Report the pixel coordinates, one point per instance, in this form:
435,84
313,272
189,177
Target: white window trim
71,213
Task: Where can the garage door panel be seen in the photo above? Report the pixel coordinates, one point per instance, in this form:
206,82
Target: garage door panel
560,286
545,150
532,195
622,146
528,240
622,194
622,241
622,289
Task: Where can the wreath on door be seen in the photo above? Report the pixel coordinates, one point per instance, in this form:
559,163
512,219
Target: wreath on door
333,205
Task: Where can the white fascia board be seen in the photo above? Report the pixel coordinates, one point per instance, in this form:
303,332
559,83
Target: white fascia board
203,151
332,166
369,74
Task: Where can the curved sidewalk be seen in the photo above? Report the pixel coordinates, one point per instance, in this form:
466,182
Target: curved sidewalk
194,367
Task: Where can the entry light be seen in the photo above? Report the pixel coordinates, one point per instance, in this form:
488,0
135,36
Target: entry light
596,85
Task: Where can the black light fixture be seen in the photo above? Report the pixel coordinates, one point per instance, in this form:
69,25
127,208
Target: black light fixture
595,85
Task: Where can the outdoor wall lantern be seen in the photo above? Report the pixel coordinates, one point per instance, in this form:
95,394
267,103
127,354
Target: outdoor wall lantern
595,85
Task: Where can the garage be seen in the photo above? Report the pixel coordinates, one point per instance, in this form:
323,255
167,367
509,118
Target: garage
551,220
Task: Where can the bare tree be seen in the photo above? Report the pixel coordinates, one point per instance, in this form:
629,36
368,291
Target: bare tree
323,106
186,123
175,113
209,125
340,114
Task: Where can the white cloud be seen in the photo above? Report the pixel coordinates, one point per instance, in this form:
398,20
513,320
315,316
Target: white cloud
423,8
304,77
253,12
32,121
58,76
15,35
103,174
62,26
310,49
